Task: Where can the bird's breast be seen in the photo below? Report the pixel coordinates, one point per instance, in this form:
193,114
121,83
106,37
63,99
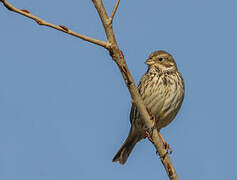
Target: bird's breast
163,96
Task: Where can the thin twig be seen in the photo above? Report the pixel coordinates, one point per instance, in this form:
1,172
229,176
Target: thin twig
114,11
57,27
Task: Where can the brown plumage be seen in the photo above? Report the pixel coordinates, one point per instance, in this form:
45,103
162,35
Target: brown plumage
162,91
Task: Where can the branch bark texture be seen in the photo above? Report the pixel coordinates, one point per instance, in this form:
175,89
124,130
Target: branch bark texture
118,57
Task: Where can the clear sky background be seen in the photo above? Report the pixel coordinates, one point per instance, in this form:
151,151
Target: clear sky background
64,108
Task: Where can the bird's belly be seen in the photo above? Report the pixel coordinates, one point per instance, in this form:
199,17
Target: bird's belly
168,106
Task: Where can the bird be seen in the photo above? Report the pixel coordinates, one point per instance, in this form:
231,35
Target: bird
162,91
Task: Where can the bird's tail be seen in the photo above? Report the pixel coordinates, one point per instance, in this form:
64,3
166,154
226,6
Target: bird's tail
127,147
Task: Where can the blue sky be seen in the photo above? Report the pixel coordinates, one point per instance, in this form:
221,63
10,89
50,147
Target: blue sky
64,108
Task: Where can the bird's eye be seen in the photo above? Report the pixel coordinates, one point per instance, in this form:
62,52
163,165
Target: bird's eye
160,59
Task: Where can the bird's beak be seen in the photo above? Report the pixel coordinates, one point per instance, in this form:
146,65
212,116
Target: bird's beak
149,62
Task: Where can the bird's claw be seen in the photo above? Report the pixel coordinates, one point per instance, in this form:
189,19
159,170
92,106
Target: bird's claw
149,132
166,146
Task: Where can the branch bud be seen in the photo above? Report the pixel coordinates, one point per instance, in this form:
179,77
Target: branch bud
26,11
64,28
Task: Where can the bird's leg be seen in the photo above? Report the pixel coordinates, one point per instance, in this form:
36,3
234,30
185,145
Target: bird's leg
166,145
149,131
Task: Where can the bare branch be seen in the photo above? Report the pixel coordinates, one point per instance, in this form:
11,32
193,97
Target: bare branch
57,27
114,11
118,57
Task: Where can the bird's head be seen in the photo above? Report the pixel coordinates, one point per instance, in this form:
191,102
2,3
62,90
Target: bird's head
162,61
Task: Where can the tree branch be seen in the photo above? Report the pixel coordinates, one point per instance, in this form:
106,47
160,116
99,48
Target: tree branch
118,57
57,27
